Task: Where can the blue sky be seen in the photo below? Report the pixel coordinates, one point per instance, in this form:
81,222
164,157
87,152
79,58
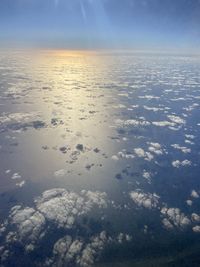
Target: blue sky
101,23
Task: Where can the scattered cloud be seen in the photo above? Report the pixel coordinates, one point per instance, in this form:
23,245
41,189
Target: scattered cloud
178,163
174,218
145,200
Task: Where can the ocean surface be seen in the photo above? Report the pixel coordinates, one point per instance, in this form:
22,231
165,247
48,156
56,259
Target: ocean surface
99,159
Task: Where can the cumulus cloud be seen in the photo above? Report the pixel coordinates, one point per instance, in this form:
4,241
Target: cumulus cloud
115,157
154,109
196,229
81,253
182,148
176,119
142,154
20,121
189,202
62,207
189,142
174,218
145,200
178,163
57,207
155,148
132,122
189,136
163,123
195,217
147,175
194,194
174,122
125,155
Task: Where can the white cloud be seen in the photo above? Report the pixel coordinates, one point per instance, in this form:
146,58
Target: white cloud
16,121
178,163
125,155
163,123
154,109
176,119
189,136
195,217
194,194
132,122
114,157
21,184
155,148
196,229
146,200
29,222
147,175
56,206
189,142
60,173
189,202
142,154
62,207
15,176
182,148
174,218
81,252
149,97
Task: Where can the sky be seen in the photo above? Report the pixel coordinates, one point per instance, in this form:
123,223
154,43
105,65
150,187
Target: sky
90,24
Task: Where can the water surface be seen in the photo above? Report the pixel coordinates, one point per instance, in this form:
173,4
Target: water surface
99,159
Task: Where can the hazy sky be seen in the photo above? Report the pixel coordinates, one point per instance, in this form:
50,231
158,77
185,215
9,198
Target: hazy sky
101,23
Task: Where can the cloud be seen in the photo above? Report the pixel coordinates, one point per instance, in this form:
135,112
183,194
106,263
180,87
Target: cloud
154,109
189,142
83,253
196,229
189,202
146,175
142,154
125,155
174,218
62,207
175,122
132,122
182,148
21,184
60,173
178,163
194,194
57,207
20,121
176,119
15,176
189,136
195,217
163,123
155,148
55,210
114,157
149,97
28,221
145,200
